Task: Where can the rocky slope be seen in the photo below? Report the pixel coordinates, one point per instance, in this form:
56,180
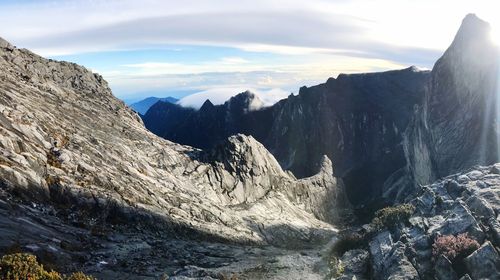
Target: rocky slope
75,160
461,203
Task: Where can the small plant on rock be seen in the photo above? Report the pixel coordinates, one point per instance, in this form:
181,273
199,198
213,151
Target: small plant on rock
336,267
23,266
79,276
391,217
454,247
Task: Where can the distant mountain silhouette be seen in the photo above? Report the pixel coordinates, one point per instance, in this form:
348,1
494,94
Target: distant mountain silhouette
143,106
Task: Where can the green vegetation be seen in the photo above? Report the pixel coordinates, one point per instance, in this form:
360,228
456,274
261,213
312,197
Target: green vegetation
21,266
391,217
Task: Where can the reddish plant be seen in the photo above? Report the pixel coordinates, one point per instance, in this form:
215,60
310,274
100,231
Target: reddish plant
454,247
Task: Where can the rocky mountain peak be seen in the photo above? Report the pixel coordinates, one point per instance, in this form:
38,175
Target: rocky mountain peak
207,105
246,101
458,116
473,28
472,44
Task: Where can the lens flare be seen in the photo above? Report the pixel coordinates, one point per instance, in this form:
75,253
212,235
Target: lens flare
495,35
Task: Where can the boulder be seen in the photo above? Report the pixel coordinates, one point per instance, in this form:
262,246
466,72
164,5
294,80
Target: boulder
484,263
356,264
444,269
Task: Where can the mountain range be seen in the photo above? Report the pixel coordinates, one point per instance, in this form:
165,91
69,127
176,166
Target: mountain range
363,122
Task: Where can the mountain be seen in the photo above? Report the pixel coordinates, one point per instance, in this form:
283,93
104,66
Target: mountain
386,133
143,106
456,126
85,186
211,124
356,120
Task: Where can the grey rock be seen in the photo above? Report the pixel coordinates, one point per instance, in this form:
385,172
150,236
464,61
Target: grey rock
6,45
454,189
444,269
380,247
484,263
356,264
494,225
480,207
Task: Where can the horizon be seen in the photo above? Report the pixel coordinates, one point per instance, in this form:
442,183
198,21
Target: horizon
163,48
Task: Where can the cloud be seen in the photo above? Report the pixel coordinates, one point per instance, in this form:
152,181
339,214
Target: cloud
157,76
221,95
281,44
295,28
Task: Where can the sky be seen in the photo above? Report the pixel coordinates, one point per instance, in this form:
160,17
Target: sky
218,48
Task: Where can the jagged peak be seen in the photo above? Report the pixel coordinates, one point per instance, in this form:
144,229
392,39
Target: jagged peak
473,29
206,105
472,47
247,100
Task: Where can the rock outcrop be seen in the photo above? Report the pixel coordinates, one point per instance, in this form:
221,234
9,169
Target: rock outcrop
74,159
461,203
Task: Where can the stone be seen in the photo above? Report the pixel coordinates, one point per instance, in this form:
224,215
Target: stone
480,207
484,263
444,269
453,188
6,45
356,264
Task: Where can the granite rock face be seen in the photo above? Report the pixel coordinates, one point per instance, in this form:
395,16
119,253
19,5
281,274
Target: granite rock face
455,128
80,158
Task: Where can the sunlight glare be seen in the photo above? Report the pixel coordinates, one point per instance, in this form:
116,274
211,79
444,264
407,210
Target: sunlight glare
495,35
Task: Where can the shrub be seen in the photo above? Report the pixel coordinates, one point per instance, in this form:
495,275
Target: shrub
454,247
79,276
23,266
390,217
